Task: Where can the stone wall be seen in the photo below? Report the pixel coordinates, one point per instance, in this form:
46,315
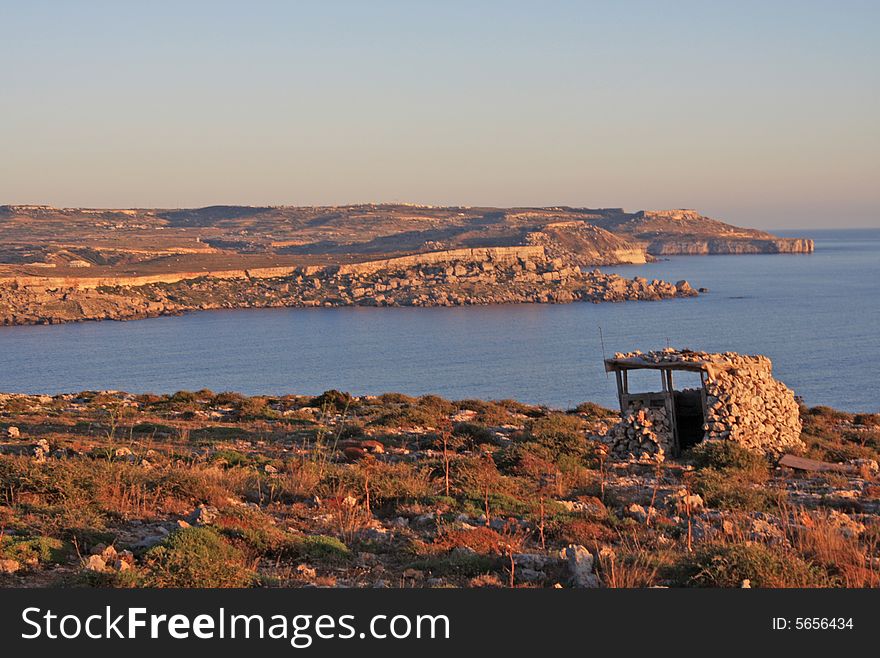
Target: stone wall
749,406
643,432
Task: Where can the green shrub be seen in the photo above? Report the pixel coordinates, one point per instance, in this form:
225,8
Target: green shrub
593,410
474,434
727,455
516,407
395,398
459,563
560,435
729,565
319,548
42,550
196,557
332,399
732,489
184,397
436,405
408,416
231,457
487,413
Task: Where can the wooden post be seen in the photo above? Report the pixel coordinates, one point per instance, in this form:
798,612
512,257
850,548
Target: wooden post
670,410
619,389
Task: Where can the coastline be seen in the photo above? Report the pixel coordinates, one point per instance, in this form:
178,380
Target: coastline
514,279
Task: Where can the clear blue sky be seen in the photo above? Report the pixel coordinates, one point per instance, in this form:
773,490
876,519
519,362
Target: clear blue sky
761,113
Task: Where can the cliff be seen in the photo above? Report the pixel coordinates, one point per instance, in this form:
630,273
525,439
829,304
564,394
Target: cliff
699,247
585,245
682,231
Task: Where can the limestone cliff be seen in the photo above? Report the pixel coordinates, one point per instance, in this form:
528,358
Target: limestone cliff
697,247
579,243
682,231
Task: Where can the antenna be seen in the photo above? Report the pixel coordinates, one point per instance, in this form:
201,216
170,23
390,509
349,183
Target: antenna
602,342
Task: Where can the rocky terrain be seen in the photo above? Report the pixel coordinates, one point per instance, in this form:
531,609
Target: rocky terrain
199,489
496,279
68,264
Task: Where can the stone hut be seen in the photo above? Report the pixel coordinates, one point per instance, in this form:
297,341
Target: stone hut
737,400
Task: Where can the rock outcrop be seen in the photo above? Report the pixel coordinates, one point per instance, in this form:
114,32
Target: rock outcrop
510,275
582,244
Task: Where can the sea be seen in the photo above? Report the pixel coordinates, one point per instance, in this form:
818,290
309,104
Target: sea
817,316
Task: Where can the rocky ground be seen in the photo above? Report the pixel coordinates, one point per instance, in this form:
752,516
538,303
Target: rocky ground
454,283
204,489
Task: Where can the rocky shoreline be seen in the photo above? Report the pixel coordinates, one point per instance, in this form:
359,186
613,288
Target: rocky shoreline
458,282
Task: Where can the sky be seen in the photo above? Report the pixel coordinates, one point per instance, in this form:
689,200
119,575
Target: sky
764,114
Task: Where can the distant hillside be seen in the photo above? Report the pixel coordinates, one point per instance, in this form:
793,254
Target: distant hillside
112,242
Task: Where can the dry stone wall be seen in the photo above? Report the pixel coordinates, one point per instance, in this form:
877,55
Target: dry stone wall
643,432
749,406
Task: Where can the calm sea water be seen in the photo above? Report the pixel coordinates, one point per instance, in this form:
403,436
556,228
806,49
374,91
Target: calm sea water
816,316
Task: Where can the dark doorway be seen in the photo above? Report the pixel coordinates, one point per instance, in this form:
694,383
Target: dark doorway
689,417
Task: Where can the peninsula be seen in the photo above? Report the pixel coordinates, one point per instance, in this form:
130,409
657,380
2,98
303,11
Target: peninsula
71,264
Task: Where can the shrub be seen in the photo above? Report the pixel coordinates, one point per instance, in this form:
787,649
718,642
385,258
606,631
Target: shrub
319,548
516,407
594,411
42,550
727,455
728,565
388,481
395,398
228,399
581,531
480,540
184,397
731,489
255,408
827,412
351,431
408,416
196,557
487,413
471,475
231,457
436,405
560,435
460,563
474,434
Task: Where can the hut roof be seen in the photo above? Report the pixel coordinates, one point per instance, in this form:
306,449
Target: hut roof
673,359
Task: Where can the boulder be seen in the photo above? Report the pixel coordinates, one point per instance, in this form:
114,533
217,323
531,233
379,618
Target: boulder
9,566
580,566
203,515
95,563
534,561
